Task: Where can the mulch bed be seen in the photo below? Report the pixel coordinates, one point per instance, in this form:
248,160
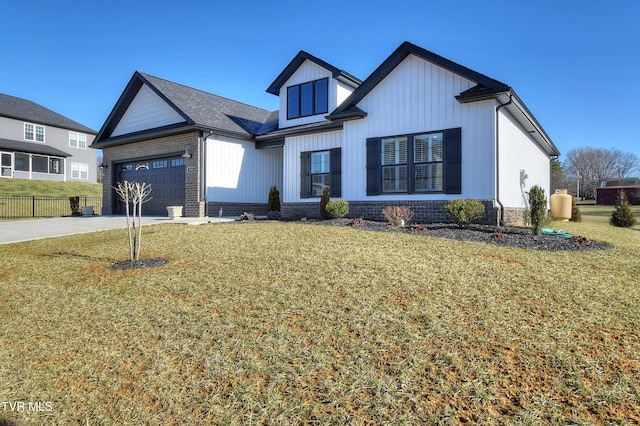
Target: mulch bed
126,265
505,236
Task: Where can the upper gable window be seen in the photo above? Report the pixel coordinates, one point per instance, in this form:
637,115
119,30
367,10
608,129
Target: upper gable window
33,132
77,140
306,99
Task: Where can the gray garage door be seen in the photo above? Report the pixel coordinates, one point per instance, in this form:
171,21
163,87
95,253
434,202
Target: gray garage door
166,177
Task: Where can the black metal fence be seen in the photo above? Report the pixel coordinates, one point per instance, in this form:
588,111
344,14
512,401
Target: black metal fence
20,207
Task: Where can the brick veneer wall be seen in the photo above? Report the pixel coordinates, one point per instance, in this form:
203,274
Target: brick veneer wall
193,207
236,209
424,211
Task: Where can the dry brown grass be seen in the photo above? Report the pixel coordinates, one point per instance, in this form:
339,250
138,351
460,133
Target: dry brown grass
283,323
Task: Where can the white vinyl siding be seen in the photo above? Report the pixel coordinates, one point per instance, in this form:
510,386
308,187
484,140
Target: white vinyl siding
292,149
237,172
306,73
518,151
146,111
418,97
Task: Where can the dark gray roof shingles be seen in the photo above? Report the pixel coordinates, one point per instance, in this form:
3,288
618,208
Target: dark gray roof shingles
23,109
209,110
31,148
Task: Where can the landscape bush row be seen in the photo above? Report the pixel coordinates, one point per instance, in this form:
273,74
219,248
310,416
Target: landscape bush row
462,212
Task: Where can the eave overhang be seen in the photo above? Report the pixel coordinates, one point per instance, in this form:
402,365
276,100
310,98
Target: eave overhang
518,110
305,129
160,132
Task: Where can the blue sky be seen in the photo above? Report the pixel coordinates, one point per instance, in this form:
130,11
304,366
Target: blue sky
576,64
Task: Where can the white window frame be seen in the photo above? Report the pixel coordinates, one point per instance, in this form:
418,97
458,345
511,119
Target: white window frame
35,131
77,140
79,171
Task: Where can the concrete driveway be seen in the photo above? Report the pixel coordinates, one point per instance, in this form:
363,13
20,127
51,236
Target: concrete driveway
35,229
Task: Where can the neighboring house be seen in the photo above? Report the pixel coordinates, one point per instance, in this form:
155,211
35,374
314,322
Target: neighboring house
419,131
37,143
607,194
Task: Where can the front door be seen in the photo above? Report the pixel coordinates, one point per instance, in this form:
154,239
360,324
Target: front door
6,164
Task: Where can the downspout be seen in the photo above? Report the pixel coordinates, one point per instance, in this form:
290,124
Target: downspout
501,221
203,171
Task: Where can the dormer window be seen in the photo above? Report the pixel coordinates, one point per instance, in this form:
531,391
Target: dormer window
306,99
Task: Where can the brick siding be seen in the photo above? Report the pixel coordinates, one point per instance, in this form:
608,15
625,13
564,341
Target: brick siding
236,209
424,211
193,206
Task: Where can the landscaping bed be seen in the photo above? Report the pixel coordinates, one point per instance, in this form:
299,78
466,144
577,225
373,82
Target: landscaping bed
506,236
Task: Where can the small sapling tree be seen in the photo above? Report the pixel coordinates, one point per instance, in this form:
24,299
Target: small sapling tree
133,194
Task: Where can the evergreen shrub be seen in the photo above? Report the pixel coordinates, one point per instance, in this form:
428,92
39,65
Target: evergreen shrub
337,208
274,200
576,215
323,203
463,212
622,216
538,208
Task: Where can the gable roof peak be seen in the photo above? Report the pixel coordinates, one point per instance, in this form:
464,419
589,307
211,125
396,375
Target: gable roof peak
483,83
298,60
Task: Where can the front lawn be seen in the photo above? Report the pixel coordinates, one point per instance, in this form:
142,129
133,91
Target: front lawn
288,323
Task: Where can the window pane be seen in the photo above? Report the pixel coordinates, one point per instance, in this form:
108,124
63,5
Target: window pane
322,96
306,104
22,162
177,162
82,141
40,164
28,131
73,139
394,150
40,133
428,177
293,102
427,148
320,162
394,179
318,184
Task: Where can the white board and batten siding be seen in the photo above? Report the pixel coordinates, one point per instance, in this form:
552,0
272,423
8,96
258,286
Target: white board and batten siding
416,97
292,149
518,151
236,172
307,72
146,111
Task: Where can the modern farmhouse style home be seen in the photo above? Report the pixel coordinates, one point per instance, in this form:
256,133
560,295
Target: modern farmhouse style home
419,131
37,143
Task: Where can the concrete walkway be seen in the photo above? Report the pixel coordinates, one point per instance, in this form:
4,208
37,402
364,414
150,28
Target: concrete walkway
35,229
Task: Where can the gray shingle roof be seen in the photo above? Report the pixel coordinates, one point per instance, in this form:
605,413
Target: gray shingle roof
207,109
23,109
31,148
199,109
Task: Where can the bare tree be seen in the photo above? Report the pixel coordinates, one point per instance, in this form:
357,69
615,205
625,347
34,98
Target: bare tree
133,194
589,167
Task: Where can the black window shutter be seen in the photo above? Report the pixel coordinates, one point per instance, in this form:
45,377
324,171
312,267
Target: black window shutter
374,168
453,161
335,172
305,175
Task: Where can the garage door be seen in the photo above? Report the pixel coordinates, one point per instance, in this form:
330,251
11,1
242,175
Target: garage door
166,177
